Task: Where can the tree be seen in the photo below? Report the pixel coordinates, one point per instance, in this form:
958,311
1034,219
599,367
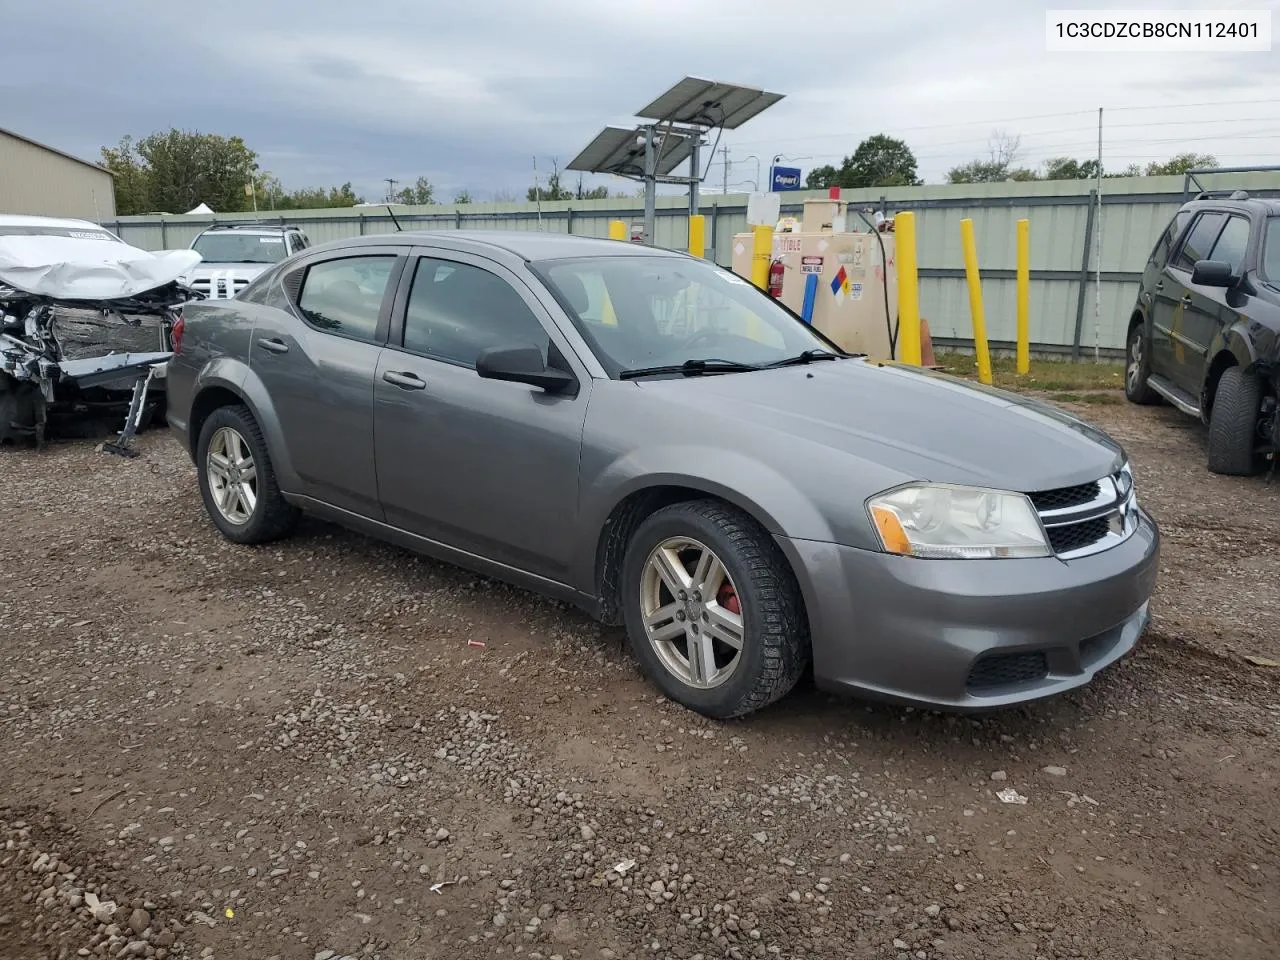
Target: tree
420,194
1066,168
1181,164
462,196
271,195
1002,150
179,169
820,178
133,190
880,161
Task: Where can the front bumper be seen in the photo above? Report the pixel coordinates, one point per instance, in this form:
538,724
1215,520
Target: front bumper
972,634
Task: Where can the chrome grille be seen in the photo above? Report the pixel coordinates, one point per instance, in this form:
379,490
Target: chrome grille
1090,517
1064,496
219,287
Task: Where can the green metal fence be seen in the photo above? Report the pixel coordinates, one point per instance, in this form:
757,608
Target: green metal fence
1071,312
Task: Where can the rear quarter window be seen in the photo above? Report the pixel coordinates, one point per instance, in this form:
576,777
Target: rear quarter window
1160,255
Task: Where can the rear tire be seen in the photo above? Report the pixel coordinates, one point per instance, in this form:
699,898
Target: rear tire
1138,368
773,651
1233,424
245,507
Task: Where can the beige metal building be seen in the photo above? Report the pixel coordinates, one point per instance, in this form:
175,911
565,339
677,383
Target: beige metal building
40,180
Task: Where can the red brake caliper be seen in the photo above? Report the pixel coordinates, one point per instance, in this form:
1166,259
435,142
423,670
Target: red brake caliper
727,597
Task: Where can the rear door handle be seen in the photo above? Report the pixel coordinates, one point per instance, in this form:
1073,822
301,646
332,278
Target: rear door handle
405,381
1186,298
274,344
1159,284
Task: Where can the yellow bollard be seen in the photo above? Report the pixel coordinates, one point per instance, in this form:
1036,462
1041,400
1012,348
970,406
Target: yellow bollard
761,254
975,300
904,229
617,230
1024,296
697,235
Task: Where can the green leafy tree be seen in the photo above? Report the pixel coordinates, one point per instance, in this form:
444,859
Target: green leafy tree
1068,168
820,178
271,195
553,190
1182,163
176,170
462,196
420,193
879,161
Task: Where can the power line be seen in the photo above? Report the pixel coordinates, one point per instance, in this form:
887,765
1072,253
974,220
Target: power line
1008,120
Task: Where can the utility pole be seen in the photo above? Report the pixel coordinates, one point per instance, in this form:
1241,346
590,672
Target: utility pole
1097,248
724,152
391,189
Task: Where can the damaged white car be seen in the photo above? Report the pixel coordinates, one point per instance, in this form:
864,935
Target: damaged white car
85,326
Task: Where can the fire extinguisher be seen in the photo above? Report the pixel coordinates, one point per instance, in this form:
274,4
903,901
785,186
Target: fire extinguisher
775,279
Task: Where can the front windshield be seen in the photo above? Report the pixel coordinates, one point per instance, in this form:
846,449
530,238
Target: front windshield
239,248
1271,252
644,311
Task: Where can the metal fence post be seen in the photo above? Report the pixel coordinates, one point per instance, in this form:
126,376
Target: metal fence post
1084,273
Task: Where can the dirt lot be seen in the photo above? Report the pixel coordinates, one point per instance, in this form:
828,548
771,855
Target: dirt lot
212,751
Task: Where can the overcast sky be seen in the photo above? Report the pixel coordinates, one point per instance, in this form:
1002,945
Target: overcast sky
469,93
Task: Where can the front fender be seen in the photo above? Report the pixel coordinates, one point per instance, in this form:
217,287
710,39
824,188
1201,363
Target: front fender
754,487
1236,340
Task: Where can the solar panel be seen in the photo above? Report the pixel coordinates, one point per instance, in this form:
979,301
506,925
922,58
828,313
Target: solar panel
621,151
709,104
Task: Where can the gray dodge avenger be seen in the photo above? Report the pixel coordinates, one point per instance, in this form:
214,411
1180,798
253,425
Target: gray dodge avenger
649,437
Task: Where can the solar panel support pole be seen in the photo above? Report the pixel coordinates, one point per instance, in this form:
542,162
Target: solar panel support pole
695,171
650,184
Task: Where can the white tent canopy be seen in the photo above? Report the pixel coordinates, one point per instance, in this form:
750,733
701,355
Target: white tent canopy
203,208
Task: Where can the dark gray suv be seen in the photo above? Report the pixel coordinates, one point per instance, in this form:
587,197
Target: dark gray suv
650,437
1205,330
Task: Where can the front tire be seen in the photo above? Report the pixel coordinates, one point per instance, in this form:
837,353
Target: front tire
713,613
1138,368
237,482
1233,424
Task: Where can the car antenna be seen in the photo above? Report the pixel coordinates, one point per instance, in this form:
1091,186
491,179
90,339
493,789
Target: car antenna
393,218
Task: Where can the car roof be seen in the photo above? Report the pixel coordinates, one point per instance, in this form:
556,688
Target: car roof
526,244
1266,206
24,220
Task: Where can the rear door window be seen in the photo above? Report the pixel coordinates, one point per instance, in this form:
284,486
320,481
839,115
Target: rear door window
1200,240
1232,244
1271,252
345,296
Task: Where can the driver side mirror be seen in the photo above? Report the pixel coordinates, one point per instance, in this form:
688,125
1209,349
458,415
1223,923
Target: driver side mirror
1212,273
522,364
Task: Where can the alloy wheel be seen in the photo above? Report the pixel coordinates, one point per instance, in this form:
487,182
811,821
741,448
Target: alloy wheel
692,613
233,476
1133,372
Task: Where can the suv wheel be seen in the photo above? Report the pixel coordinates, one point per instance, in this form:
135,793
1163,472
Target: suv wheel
713,612
237,483
1233,424
1138,368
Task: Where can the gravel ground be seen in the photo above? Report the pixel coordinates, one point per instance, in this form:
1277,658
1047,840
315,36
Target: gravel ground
303,751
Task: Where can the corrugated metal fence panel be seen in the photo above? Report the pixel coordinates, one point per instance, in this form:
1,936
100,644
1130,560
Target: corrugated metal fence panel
1134,212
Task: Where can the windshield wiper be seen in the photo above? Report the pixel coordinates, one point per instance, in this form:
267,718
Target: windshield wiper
808,356
690,368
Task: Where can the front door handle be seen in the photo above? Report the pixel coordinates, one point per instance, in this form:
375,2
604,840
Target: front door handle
1186,298
274,344
405,381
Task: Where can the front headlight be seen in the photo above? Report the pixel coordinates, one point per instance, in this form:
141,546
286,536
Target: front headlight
944,521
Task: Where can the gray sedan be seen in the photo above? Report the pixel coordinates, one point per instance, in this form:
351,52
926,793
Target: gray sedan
649,437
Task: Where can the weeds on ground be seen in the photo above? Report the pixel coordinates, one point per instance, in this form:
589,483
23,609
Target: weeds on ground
1060,376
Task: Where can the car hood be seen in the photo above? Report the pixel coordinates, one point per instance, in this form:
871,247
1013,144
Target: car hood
925,425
